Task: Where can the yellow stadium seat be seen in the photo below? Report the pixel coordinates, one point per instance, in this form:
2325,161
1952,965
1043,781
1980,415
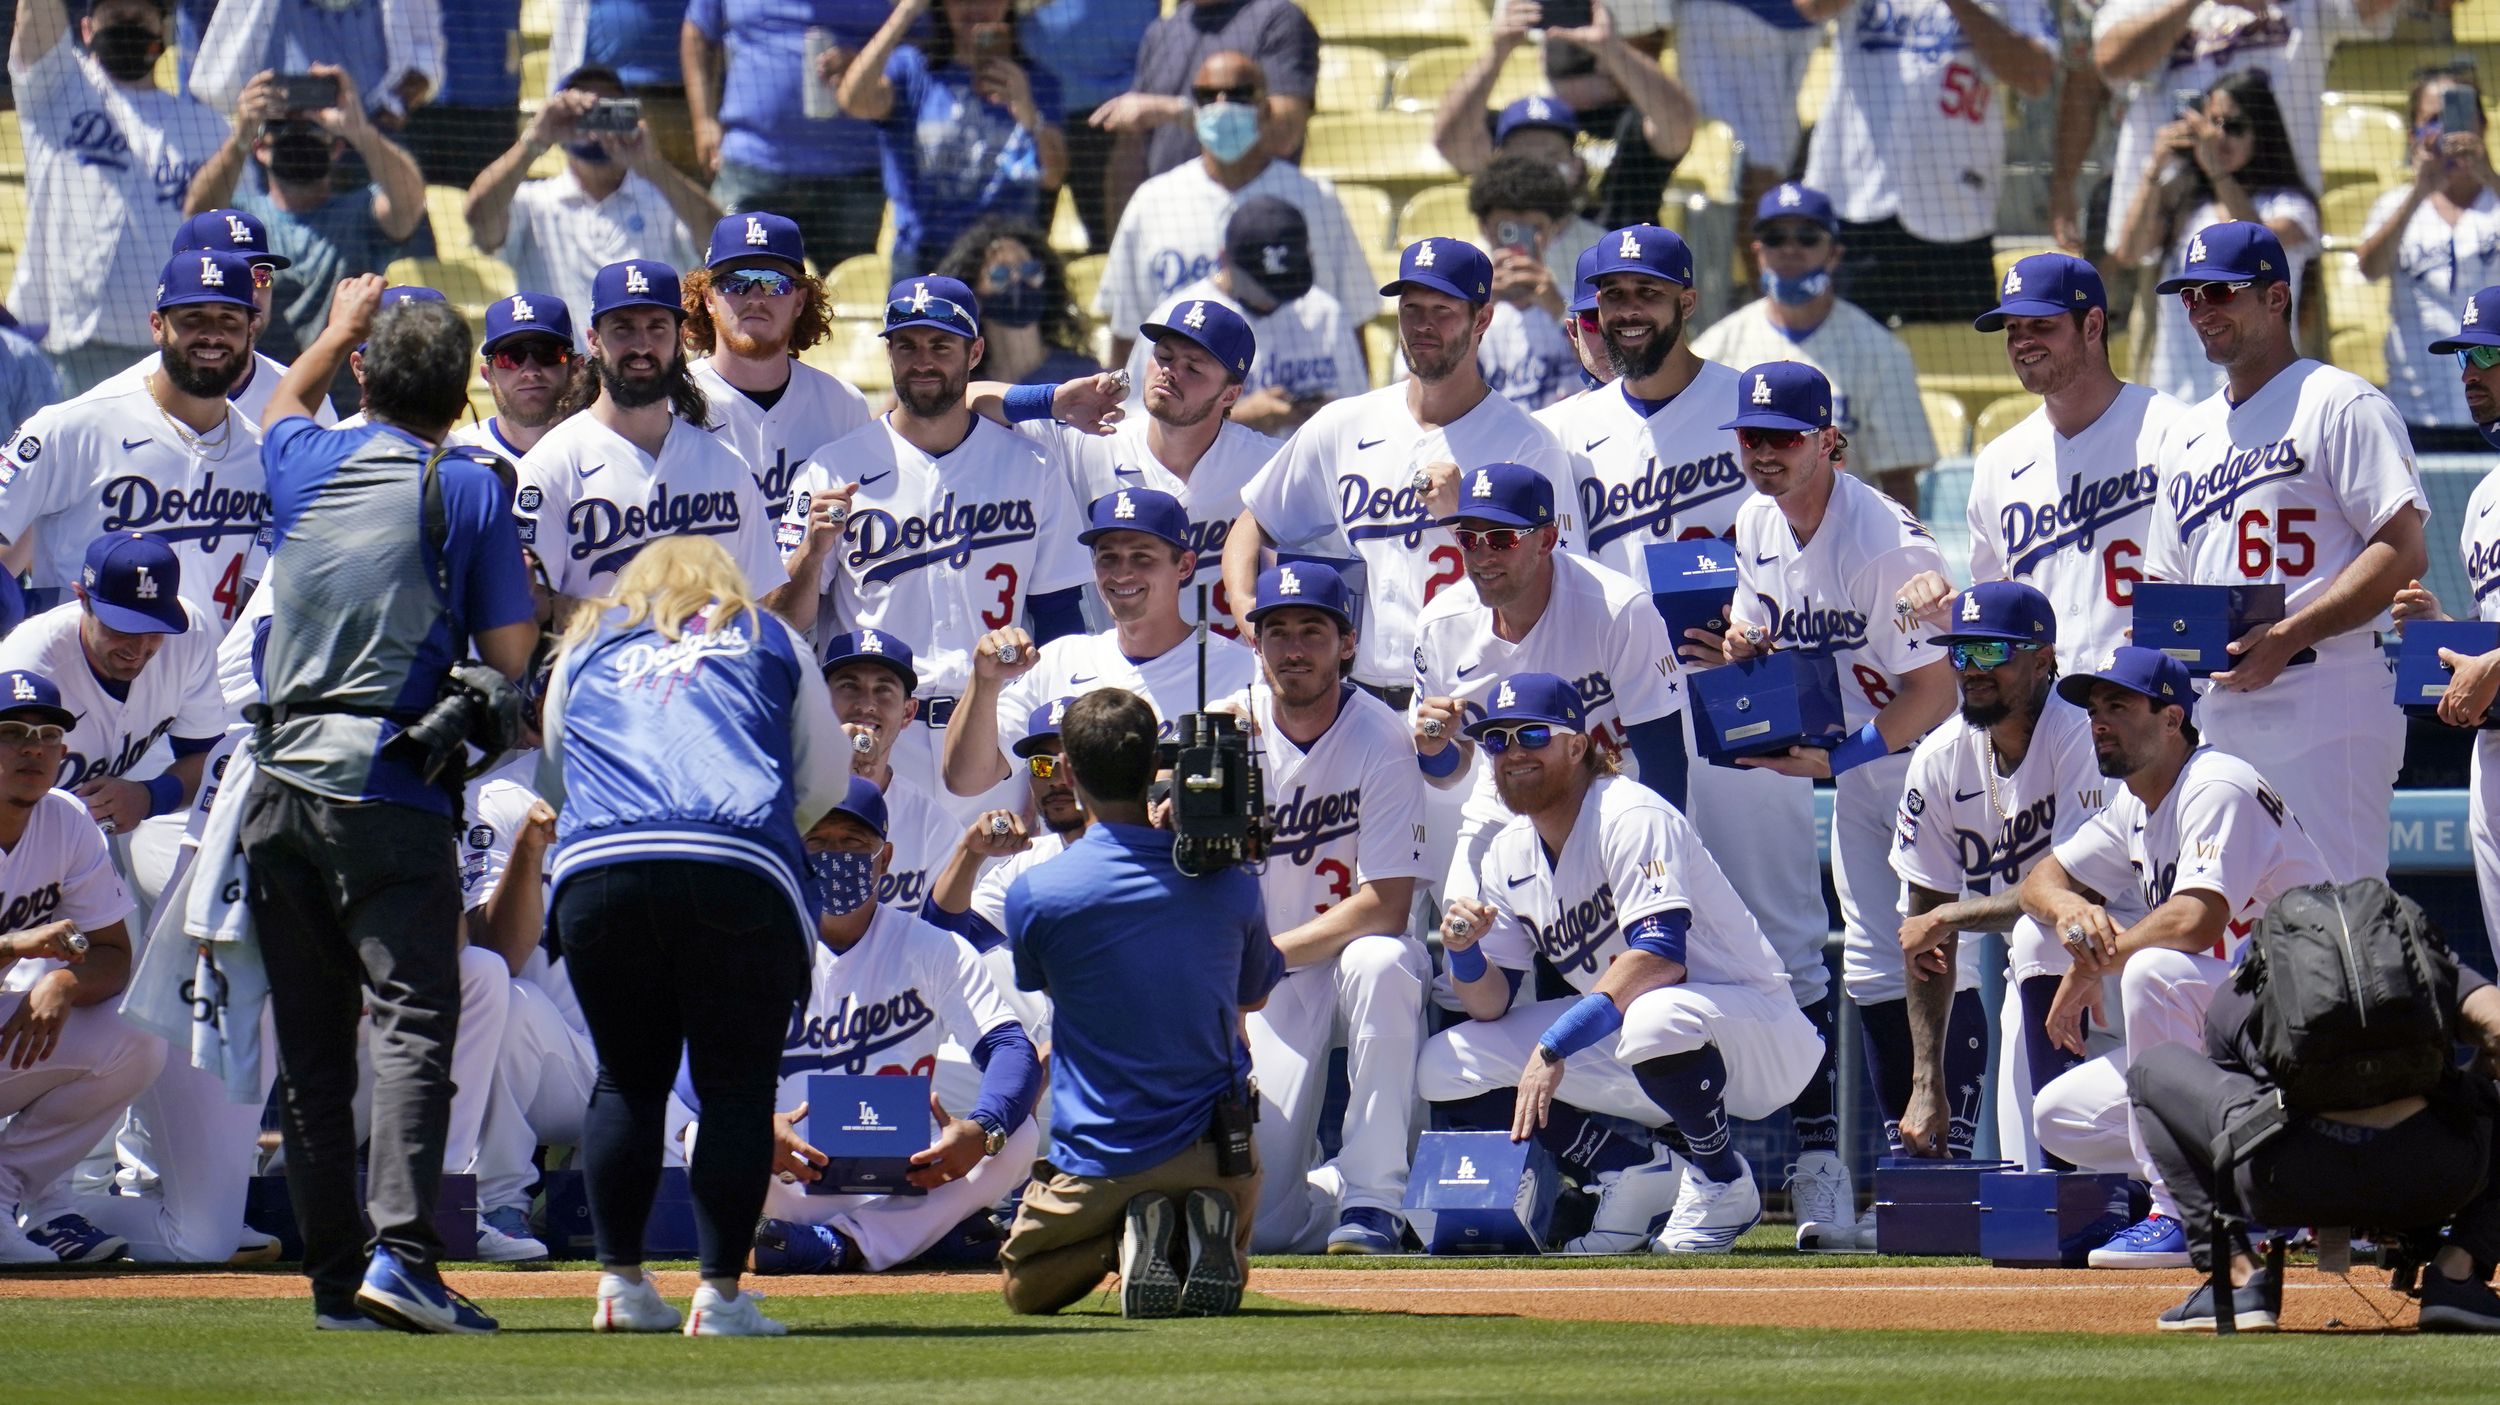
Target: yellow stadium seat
2342,211
1380,346
2360,351
1352,78
2351,300
1398,26
534,77
857,287
1067,228
1438,213
1372,213
2001,414
1812,92
2389,68
2361,143
470,282
1951,357
447,206
1392,149
1948,421
538,21
1709,164
12,150
856,353
1421,80
2475,21
1084,276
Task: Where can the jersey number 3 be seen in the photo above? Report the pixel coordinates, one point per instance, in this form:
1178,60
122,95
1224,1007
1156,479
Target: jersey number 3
1005,614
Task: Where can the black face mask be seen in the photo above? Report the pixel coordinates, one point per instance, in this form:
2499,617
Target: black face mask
127,51
299,157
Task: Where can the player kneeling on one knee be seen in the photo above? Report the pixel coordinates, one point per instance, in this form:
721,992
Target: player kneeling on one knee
1684,1017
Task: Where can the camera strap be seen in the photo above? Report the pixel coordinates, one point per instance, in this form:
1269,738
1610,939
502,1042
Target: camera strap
436,516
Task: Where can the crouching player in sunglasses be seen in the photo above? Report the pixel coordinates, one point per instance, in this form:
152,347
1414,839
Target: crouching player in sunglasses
1684,1016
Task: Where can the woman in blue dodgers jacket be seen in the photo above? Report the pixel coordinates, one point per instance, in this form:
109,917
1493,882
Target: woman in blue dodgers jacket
688,744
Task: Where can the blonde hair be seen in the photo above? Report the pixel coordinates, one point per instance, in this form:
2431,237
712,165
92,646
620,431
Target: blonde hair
668,582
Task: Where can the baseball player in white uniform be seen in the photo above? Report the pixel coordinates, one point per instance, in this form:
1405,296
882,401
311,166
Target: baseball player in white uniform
772,408
2299,474
1684,1015
236,232
933,524
69,1066
1820,557
633,467
969,894
1372,477
168,456
1139,539
887,986
2207,845
871,677
525,361
1346,810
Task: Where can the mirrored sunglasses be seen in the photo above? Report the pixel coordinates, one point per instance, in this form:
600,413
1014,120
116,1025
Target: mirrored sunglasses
1535,736
530,353
928,310
1045,765
771,282
2197,295
1773,439
1988,653
1494,539
2478,358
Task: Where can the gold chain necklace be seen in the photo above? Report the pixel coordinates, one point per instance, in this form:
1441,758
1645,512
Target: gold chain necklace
1988,737
203,445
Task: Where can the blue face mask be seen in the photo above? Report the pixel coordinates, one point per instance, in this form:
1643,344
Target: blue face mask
588,152
841,883
1797,292
2490,433
1228,130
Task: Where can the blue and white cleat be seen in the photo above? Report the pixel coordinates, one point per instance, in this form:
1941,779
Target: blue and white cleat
1364,1230
2156,1241
1710,1216
77,1241
416,1300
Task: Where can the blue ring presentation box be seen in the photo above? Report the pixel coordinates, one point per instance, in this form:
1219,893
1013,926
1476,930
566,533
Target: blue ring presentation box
868,1126
270,1208
668,1234
1766,705
1693,584
2041,1219
1488,1194
1929,1207
2421,677
2195,624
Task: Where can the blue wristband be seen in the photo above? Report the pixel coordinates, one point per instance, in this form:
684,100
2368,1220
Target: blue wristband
1030,402
1467,963
164,794
1439,763
1583,1024
1862,746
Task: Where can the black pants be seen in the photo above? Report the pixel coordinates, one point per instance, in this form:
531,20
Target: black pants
1890,272
2414,1175
357,906
669,957
1634,184
1089,177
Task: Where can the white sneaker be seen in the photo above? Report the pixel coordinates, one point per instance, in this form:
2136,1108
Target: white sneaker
741,1316
1630,1204
254,1247
16,1248
1854,1236
1710,1216
1824,1200
631,1307
498,1244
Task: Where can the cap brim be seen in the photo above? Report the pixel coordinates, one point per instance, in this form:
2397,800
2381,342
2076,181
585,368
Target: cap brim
892,328
1157,331
205,299
1032,743
1248,289
1993,319
2178,281
1092,535
60,717
123,620
724,260
2463,340
911,680
1502,515
1344,620
604,309
1638,270
846,811
1534,124
1768,419
517,333
1984,636
1432,284
2076,688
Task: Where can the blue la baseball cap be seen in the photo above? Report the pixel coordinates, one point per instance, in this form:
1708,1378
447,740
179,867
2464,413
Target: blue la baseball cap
23,691
399,293
1301,585
1451,266
1651,250
229,231
1791,201
1584,280
1528,114
865,803
757,235
1512,494
526,314
2478,324
2138,670
206,276
635,283
1149,510
943,303
134,584
2234,251
877,647
1213,326
1043,726
1782,395
2045,285
2006,610
1531,697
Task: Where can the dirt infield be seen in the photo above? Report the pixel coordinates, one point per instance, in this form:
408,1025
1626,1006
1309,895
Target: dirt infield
1954,1299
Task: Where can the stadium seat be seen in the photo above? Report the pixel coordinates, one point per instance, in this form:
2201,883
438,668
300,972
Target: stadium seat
1947,421
2360,143
1374,217
1422,79
856,353
1391,149
538,21
2352,301
2360,351
2389,68
12,154
2475,21
471,281
1380,347
1710,163
1067,229
2342,211
447,206
1440,212
857,287
1084,276
1812,92
2001,414
1352,78
1952,358
1398,26
534,77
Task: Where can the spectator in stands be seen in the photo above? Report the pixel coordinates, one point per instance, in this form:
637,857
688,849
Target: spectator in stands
1157,123
1744,61
967,127
1029,329
2434,240
617,199
474,117
1599,70
2167,47
762,131
638,41
1306,352
325,234
1090,46
1911,145
1173,231
27,380
1644,103
1525,355
1801,317
391,53
108,157
2230,158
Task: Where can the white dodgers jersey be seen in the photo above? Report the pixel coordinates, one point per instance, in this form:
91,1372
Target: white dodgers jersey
1630,855
1098,465
1346,811
176,695
1168,682
590,499
2072,517
815,409
60,869
924,838
885,1005
1671,476
1963,829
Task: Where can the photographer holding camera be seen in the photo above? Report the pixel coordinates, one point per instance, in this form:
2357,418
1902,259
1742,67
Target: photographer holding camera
400,557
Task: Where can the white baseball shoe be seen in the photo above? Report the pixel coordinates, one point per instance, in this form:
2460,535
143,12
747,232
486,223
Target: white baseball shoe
1710,1216
503,1237
1856,1236
1824,1200
16,1248
631,1307
741,1316
1631,1203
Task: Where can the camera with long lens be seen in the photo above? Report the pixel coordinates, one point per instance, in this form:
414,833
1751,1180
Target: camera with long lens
1219,805
476,707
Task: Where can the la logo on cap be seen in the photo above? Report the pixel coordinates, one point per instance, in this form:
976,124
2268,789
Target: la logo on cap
1538,110
237,230
521,309
1124,508
1197,317
147,584
1423,254
919,297
21,687
1272,260
210,275
755,231
869,643
1761,390
1506,697
1789,198
2013,281
634,281
1628,247
1483,486
1970,605
1287,583
2196,248
2473,314
1058,709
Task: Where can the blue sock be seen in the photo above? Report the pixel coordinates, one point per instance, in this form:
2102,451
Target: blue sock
1885,1028
1588,1145
2043,1060
1814,1114
1691,1088
1965,1070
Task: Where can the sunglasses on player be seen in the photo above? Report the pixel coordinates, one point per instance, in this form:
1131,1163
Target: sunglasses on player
1045,766
532,353
263,275
2197,295
739,282
2478,358
1535,736
1987,653
1494,539
1802,238
1776,440
31,734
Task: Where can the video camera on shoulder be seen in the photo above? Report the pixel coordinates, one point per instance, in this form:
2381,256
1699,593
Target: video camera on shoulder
1219,800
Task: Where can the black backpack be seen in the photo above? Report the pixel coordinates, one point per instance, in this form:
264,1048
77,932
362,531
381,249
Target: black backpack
2354,995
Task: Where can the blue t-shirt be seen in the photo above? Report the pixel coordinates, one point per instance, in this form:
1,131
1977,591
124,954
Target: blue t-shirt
764,124
637,38
339,239
1089,45
951,156
1147,972
481,63
358,621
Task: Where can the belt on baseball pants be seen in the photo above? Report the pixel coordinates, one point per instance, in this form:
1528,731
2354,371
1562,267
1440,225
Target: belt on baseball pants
936,712
1399,696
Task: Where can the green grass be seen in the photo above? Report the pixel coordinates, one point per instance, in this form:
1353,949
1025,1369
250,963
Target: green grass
963,1349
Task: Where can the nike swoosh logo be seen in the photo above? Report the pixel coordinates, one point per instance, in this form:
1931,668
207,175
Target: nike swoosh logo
1130,472
1080,680
1517,881
1469,669
594,468
130,444
2191,443
2486,512
867,479
1595,442
1965,797
1371,443
1766,560
2026,468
